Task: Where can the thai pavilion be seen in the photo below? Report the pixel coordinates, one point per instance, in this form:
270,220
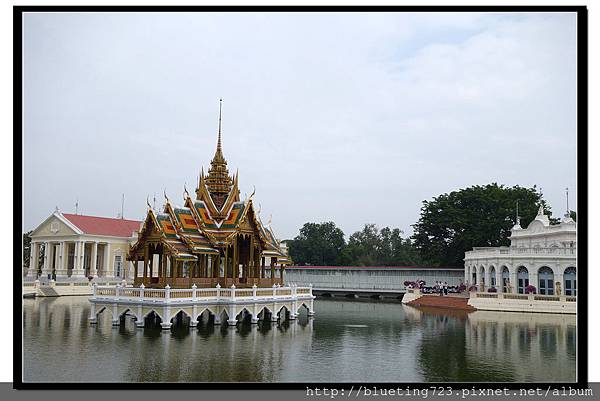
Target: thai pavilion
214,239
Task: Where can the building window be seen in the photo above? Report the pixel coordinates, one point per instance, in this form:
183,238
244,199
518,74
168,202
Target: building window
118,265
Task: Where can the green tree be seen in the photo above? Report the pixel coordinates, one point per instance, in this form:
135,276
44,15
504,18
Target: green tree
385,247
26,247
317,244
453,223
573,215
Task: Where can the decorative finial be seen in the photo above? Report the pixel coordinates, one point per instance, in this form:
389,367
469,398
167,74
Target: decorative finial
541,210
148,202
219,137
517,215
165,194
185,191
56,209
253,191
154,200
568,210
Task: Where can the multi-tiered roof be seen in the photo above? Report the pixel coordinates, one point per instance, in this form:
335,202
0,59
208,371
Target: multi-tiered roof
209,223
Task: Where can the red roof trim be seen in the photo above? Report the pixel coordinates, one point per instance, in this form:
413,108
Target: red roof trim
103,225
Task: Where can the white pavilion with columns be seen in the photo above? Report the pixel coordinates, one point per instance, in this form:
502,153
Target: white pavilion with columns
543,255
74,247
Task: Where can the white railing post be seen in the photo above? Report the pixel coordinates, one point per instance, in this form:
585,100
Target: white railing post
274,290
142,290
232,292
310,286
194,291
254,291
93,289
293,287
117,291
167,293
218,290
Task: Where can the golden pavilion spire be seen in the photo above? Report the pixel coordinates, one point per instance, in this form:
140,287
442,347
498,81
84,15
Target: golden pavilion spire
218,181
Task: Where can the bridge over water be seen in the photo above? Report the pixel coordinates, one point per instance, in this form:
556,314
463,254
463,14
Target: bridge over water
377,281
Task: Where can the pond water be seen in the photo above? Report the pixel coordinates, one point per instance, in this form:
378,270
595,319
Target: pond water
347,341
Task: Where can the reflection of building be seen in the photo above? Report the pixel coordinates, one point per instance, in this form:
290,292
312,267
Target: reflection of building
542,254
533,346
74,247
213,239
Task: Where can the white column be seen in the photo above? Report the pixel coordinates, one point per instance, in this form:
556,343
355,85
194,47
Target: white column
513,279
33,259
533,278
108,265
79,253
65,258
75,256
60,261
46,258
94,261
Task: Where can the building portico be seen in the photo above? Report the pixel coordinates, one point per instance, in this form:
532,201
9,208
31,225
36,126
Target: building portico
69,247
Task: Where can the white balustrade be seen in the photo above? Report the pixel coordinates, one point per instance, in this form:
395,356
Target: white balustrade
194,294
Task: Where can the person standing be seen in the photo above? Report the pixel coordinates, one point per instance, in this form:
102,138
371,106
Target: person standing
445,288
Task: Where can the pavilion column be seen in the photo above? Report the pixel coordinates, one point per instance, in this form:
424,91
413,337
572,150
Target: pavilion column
262,267
251,258
94,261
226,264
272,271
135,268
145,264
150,263
236,256
282,273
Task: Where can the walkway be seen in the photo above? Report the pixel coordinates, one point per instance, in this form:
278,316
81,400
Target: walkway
449,302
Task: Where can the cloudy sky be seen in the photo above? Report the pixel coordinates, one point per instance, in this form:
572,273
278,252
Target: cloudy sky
355,118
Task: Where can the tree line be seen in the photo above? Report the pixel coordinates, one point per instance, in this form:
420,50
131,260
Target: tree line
448,226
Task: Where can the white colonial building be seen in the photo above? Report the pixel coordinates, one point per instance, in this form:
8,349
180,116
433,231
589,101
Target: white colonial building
74,247
543,255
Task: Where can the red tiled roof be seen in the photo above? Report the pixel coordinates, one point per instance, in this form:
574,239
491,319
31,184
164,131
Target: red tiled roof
103,225
376,267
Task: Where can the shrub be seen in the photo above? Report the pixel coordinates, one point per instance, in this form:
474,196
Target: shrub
462,287
473,288
492,289
530,289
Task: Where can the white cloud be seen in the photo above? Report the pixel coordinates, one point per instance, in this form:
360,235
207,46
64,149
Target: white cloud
351,117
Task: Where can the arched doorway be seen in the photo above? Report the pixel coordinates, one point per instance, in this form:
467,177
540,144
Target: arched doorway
505,279
570,278
522,279
473,275
492,279
545,281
